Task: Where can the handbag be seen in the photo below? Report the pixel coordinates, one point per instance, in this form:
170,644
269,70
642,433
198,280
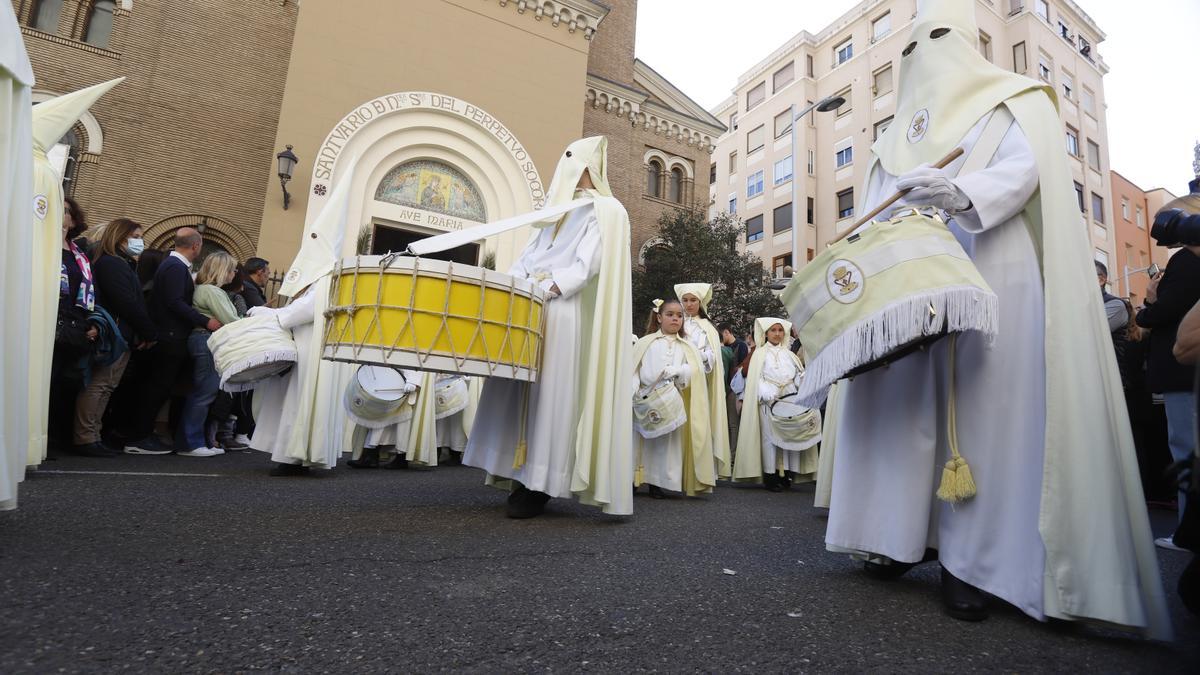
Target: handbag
659,412
70,332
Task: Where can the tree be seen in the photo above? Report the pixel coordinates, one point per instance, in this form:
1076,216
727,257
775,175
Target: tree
692,249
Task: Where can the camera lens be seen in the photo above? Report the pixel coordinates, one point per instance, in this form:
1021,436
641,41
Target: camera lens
1176,227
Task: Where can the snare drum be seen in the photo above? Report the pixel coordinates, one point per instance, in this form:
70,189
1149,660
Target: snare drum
880,293
794,426
435,315
375,397
250,350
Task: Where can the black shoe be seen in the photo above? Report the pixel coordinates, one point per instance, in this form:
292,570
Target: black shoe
228,442
962,600
771,482
399,462
281,469
657,492
453,458
369,459
92,450
896,569
527,503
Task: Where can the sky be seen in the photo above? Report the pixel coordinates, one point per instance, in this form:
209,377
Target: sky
1152,90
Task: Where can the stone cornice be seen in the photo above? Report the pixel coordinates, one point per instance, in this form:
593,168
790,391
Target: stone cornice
581,15
76,44
632,105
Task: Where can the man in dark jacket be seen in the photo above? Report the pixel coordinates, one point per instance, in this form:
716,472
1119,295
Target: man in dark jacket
174,318
1168,299
255,280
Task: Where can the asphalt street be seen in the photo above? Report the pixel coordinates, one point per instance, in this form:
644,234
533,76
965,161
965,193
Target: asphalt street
175,564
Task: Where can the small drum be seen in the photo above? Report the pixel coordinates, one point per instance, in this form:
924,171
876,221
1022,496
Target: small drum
375,397
435,315
251,350
659,412
451,396
880,293
794,426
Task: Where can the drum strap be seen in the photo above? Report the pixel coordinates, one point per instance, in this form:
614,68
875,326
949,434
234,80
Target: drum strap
988,142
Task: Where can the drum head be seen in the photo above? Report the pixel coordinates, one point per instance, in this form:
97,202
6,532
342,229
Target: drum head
385,384
788,406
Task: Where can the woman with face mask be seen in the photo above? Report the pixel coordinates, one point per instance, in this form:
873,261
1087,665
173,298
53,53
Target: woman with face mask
119,292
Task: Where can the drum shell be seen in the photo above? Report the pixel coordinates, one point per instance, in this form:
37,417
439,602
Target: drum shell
371,410
659,412
794,429
435,315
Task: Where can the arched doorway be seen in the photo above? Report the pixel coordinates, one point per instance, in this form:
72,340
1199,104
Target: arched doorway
219,234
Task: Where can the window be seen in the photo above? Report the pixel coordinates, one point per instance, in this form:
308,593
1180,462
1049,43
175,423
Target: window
881,27
754,185
1093,156
1102,257
733,204
783,77
1044,68
812,212
846,107
779,262
712,173
733,122
1079,198
1072,142
733,162
881,81
1015,7
1141,217
755,139
675,189
1097,208
985,45
1125,208
756,95
812,162
1068,86
754,229
1085,48
783,123
783,170
808,64
45,15
844,154
781,220
843,53
881,126
845,203
1020,65
1042,8
654,178
1065,31
99,23
1129,261
1089,101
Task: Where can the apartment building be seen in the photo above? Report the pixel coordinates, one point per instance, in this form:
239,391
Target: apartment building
857,57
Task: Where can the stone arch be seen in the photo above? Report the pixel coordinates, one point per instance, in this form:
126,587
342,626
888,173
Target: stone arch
652,243
225,234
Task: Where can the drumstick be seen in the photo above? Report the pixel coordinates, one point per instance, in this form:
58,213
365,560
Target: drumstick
943,163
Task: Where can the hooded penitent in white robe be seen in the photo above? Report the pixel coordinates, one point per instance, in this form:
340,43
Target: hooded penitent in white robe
576,421
1058,526
774,372
16,274
299,417
51,120
681,460
703,335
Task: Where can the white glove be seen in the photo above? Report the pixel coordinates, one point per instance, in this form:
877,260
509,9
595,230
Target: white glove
670,373
261,310
409,387
932,187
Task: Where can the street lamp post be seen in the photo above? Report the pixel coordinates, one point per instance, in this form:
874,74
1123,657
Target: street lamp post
824,105
287,162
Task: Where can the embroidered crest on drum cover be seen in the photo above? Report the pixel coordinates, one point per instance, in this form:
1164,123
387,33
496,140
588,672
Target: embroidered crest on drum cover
845,281
293,275
41,206
918,126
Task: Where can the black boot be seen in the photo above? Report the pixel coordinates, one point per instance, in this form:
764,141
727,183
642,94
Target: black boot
281,469
657,492
369,459
896,569
772,483
453,458
962,600
399,462
786,481
526,503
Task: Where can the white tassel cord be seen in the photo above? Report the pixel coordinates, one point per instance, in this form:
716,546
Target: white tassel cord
957,309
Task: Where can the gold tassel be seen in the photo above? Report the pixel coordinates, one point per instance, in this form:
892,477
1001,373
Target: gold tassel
522,446
639,476
519,455
957,482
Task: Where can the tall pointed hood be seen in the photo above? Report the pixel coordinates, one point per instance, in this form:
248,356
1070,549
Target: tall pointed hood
586,154
322,245
54,118
12,49
946,86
